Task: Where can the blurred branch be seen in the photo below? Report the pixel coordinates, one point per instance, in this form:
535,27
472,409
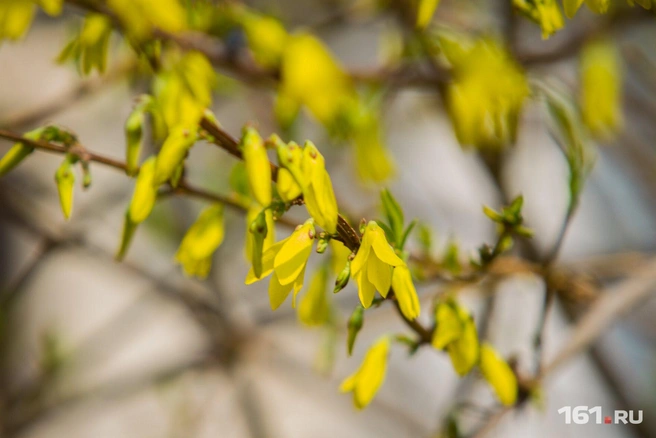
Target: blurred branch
64,100
615,302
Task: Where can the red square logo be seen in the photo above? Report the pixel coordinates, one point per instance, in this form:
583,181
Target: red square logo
607,420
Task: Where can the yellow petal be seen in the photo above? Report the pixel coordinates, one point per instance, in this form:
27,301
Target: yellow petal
361,257
366,382
448,327
405,292
425,12
601,87
571,6
499,375
13,157
145,192
65,180
380,275
257,166
366,289
267,262
314,308
287,187
464,351
278,292
173,152
294,254
381,247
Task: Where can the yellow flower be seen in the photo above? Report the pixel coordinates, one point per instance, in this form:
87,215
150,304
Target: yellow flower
140,17
366,381
405,292
601,87
287,260
486,96
184,91
455,330
425,12
266,38
89,48
15,18
544,12
258,168
339,256
13,157
314,308
173,152
287,187
65,180
372,266
318,189
499,375
448,326
312,77
372,159
596,6
141,204
200,242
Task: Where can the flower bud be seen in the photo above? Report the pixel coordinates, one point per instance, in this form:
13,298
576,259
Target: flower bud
355,323
343,278
65,180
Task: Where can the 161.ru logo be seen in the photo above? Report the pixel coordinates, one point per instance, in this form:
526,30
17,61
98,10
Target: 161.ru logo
583,415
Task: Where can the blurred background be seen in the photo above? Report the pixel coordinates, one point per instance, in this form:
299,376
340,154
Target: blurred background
94,348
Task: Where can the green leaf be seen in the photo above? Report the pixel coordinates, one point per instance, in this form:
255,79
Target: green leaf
394,214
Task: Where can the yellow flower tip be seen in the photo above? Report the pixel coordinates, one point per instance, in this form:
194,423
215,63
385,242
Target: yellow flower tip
448,326
258,167
372,265
294,253
486,96
65,180
318,189
405,292
314,309
464,351
499,375
425,12
367,380
201,241
145,192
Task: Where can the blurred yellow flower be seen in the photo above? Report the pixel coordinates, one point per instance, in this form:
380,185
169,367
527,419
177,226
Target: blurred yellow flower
366,381
486,96
425,12
266,38
372,266
314,308
141,17
544,12
200,242
601,87
405,292
312,77
499,375
287,260
455,331
173,152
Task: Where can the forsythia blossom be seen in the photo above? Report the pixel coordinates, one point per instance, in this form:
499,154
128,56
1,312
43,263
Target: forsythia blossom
257,166
372,266
318,189
366,381
405,292
544,12
601,87
200,242
314,308
499,375
486,96
456,332
287,260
